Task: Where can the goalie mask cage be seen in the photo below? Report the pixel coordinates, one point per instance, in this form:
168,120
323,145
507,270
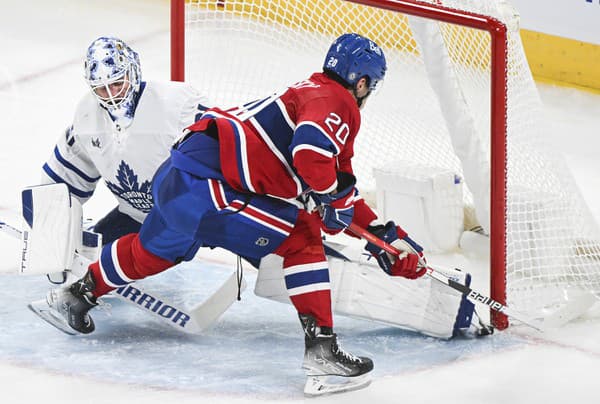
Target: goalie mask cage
458,95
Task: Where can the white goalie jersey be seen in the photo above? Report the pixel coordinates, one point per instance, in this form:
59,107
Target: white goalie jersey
93,147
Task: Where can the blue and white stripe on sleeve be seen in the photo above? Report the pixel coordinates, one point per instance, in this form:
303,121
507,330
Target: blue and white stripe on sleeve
72,168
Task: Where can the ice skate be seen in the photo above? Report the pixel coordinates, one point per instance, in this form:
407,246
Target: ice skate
67,308
329,368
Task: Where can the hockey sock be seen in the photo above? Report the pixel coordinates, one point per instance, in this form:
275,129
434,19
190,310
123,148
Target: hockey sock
306,269
124,261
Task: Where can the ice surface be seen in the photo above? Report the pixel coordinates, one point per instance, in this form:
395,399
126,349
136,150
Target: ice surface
255,349
254,353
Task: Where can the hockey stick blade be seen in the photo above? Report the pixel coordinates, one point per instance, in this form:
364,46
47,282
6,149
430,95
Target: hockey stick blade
477,297
208,312
474,296
10,230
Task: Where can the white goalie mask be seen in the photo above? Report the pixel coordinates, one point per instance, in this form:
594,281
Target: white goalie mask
112,70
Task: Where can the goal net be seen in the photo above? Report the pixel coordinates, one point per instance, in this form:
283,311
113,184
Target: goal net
458,96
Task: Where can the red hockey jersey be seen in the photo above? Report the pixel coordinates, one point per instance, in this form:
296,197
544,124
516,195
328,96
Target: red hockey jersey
288,143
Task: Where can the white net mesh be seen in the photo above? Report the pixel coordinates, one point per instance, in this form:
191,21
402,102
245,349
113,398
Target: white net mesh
238,51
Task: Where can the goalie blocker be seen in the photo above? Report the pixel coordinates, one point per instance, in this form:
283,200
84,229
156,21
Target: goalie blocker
360,289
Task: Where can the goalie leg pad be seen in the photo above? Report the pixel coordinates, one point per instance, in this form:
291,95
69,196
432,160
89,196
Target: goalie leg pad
464,317
362,290
422,305
51,229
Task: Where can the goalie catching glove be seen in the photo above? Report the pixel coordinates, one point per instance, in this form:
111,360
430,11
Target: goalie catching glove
337,208
407,263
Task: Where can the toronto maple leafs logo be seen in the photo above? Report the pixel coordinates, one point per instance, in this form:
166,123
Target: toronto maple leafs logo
138,196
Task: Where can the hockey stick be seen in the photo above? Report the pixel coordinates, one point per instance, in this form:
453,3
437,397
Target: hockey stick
194,321
473,295
10,230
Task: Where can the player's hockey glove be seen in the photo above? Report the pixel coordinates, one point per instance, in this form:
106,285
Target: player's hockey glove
407,263
337,208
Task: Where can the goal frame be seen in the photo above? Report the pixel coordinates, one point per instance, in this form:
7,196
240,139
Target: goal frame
498,113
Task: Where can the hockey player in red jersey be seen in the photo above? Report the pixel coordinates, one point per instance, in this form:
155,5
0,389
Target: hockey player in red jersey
259,179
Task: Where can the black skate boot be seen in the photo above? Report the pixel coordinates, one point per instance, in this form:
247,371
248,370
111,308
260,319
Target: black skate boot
329,368
67,308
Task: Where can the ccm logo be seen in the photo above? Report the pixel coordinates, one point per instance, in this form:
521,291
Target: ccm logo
154,305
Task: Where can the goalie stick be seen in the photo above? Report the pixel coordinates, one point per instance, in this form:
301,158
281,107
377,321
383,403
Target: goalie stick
10,230
193,321
473,295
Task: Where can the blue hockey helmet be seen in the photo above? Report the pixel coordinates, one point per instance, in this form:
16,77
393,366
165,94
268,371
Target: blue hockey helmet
112,70
352,57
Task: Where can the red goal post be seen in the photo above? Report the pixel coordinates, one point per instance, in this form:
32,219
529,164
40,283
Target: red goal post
178,40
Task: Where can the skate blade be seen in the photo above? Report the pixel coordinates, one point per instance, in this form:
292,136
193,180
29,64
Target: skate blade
49,315
323,385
